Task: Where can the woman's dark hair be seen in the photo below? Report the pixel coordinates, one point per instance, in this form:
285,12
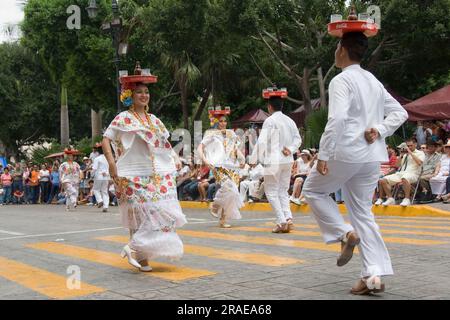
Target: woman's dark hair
356,44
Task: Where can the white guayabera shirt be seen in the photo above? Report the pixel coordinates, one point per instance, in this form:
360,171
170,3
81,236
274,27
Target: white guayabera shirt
278,131
358,101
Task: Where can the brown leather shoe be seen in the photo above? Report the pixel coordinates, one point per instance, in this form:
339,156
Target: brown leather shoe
280,228
347,246
361,288
289,226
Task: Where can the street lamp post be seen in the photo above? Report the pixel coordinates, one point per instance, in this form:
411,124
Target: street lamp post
114,27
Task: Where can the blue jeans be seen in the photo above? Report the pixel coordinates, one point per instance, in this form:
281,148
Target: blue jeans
191,189
17,185
6,194
212,189
45,188
34,194
53,192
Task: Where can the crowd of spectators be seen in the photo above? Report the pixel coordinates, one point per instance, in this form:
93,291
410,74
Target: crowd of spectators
417,172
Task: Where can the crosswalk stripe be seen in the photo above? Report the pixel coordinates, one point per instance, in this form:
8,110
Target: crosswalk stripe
418,242
47,283
261,240
253,258
160,270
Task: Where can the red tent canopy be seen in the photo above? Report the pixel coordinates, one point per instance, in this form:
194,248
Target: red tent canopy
399,98
298,115
254,116
434,106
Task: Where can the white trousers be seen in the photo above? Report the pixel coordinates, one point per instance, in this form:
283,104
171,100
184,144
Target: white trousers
357,182
248,185
276,186
101,194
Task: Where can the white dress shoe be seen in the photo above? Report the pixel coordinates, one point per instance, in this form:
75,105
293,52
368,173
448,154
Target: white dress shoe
145,269
126,252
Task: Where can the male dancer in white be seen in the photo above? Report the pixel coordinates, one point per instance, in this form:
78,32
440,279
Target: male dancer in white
100,170
361,114
278,141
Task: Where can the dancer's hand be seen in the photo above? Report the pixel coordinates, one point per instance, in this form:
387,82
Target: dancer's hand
371,135
178,164
322,167
286,151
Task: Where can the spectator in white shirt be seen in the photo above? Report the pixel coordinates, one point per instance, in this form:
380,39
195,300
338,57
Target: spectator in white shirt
411,166
304,164
100,171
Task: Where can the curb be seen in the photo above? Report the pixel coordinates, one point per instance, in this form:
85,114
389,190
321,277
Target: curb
396,210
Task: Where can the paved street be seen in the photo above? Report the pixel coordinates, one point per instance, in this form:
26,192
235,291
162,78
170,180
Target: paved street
43,247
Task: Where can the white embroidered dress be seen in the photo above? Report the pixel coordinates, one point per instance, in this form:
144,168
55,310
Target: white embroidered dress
146,190
70,179
221,151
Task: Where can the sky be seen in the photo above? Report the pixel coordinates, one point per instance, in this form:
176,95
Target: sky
10,13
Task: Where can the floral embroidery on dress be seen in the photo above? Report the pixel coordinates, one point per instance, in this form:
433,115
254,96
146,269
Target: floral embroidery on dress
155,133
147,189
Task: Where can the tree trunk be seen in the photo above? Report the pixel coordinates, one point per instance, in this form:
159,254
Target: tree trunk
96,123
64,117
202,105
323,97
304,88
183,89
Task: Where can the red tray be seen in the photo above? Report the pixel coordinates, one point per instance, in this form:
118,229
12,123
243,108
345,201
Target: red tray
337,29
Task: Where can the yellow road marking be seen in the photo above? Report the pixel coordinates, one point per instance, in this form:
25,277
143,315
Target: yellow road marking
260,240
413,226
160,270
413,221
254,258
418,242
47,283
314,226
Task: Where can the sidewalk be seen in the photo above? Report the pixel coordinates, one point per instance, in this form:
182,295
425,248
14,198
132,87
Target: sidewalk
432,210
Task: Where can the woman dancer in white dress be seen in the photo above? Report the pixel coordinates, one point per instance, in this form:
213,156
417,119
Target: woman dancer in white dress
219,150
437,182
70,174
144,177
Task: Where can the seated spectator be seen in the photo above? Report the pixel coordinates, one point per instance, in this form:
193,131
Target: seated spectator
112,194
18,197
446,197
389,167
411,165
438,181
304,165
192,188
432,160
61,198
203,185
184,177
252,184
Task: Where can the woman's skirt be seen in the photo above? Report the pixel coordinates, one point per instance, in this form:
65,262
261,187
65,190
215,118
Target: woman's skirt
150,209
228,197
